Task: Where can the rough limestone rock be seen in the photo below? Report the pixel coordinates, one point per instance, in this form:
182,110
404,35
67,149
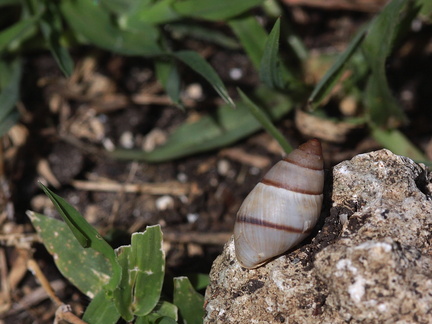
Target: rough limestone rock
370,260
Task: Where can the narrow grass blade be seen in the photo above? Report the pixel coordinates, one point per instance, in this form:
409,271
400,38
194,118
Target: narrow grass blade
266,122
17,32
271,66
10,91
189,302
326,84
383,35
398,143
222,128
199,65
169,76
87,269
252,36
86,235
51,26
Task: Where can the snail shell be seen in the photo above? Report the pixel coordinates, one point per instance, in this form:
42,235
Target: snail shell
283,207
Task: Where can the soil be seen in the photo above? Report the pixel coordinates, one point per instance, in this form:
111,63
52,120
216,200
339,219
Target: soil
116,101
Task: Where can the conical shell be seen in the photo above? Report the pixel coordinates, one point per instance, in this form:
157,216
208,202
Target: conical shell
283,207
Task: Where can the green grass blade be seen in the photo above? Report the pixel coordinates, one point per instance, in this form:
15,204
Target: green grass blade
169,76
101,310
398,143
271,66
326,84
223,128
159,12
10,80
17,32
252,36
266,122
51,26
199,65
86,235
214,10
93,23
385,31
87,269
189,302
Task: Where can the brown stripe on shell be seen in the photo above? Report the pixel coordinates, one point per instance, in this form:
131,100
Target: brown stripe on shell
263,223
300,164
289,187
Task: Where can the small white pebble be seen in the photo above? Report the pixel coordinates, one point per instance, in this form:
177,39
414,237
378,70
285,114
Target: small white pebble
236,73
223,167
164,203
194,91
192,217
254,170
108,144
127,140
182,177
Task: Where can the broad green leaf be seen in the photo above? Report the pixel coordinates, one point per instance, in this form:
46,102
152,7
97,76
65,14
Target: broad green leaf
143,264
266,122
86,235
101,310
386,29
271,66
199,65
169,76
326,84
224,127
17,32
87,269
426,9
10,88
51,26
214,10
189,302
252,36
398,143
91,21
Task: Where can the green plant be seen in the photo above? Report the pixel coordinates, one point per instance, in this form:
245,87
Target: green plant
125,282
365,58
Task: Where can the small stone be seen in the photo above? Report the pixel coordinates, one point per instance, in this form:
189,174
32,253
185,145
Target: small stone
165,202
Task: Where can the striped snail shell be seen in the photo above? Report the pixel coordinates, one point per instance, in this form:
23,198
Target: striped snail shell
283,207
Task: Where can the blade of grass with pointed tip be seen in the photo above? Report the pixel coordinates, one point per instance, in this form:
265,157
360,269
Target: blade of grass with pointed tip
266,122
199,65
252,36
271,67
222,128
101,310
398,143
168,75
214,10
87,269
189,302
51,27
143,264
328,81
86,235
384,33
10,91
